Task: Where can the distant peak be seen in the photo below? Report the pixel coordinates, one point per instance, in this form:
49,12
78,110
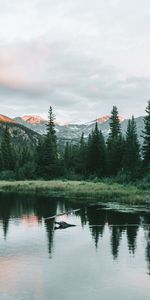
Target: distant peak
104,119
33,119
6,119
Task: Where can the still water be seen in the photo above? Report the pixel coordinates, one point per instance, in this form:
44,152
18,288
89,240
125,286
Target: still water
106,256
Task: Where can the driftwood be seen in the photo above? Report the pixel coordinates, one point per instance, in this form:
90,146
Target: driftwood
63,225
62,214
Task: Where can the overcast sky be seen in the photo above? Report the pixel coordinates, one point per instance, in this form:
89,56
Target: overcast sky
80,56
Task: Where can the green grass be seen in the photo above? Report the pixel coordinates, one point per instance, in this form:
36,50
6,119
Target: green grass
79,190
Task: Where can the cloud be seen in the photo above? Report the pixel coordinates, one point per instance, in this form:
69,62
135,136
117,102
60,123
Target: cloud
79,56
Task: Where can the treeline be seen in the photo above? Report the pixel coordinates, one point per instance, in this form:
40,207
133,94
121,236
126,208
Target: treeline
93,157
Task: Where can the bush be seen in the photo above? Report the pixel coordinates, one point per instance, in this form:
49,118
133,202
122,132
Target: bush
26,172
144,184
7,175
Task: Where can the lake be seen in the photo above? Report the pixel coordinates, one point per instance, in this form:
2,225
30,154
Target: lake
106,256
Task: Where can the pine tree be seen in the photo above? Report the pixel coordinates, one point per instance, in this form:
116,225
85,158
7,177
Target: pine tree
1,161
25,156
67,157
132,149
47,156
82,156
146,132
115,128
7,152
115,144
96,153
25,165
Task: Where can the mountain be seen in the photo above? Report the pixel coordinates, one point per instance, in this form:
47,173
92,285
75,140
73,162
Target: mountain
73,131
107,117
34,123
21,135
6,119
33,120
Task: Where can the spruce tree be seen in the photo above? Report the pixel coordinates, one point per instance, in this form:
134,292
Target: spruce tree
82,156
7,151
47,156
67,157
1,161
96,153
132,150
115,128
115,144
146,132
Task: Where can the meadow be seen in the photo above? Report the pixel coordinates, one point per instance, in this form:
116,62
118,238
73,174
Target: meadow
84,191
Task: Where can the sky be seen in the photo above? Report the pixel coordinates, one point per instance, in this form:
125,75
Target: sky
79,56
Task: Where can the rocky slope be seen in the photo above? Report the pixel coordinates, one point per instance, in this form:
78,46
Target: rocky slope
21,135
74,131
27,129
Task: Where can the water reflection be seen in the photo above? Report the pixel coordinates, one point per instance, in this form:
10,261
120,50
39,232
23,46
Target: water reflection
33,211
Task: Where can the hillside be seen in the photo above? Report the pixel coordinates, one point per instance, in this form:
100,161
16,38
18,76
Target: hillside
20,134
6,119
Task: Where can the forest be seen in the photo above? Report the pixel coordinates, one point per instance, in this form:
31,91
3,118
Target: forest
91,158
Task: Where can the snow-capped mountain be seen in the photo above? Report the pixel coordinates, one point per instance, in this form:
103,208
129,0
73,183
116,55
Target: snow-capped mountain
72,131
106,118
33,119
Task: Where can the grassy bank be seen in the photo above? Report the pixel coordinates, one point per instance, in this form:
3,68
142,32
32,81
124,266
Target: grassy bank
79,190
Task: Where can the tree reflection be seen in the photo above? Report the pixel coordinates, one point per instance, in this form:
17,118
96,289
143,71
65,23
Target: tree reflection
95,218
115,241
27,206
6,207
37,209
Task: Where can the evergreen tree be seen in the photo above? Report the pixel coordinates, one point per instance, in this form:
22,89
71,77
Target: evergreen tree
25,156
115,128
146,132
1,161
67,157
7,152
132,149
25,165
82,156
47,156
96,153
115,144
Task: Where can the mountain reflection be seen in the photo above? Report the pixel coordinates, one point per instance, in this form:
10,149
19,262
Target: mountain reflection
34,211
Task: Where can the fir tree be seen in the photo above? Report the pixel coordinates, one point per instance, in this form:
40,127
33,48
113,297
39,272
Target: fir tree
132,149
67,157
96,153
82,156
115,144
115,128
146,132
7,153
47,156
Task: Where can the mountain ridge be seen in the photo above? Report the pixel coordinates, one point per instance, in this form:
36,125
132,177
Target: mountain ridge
6,119
73,131
20,134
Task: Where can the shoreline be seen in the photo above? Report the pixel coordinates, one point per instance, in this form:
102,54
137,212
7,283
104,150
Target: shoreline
79,191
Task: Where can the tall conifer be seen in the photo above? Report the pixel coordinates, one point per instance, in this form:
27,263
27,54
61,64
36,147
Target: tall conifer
146,132
132,149
7,153
47,156
115,144
96,153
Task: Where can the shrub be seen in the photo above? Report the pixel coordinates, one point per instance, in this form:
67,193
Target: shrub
7,175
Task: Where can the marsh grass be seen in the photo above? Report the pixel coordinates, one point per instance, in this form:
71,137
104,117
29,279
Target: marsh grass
79,190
